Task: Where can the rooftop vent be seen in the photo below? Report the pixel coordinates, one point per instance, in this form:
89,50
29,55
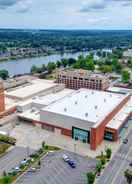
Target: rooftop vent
86,114
96,107
86,96
110,95
65,109
92,92
104,100
96,115
76,103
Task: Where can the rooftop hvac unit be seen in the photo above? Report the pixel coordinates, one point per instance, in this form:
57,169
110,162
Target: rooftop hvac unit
75,102
65,109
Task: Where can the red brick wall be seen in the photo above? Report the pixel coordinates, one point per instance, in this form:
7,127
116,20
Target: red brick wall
97,134
2,99
7,112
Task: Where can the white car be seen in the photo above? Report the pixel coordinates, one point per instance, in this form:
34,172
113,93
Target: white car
65,158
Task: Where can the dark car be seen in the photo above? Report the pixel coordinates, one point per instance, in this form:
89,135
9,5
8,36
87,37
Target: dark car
125,141
130,164
72,163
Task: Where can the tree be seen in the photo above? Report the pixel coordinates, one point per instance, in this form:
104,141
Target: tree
98,167
43,144
128,176
90,177
34,69
129,63
105,68
51,66
108,152
71,61
90,65
125,76
64,62
58,64
43,68
103,160
4,74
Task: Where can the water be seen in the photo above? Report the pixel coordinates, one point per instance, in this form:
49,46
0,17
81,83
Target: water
22,66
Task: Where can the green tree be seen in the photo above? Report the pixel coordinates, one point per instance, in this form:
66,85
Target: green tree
103,160
64,62
98,167
128,176
51,66
125,76
43,144
129,63
105,68
90,65
4,74
34,69
90,177
108,152
58,64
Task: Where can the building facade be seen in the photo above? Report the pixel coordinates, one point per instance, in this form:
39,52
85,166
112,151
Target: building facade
76,79
2,97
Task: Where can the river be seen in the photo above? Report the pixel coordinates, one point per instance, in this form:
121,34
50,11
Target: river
22,66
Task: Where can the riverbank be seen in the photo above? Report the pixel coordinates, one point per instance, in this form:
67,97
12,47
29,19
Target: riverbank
23,66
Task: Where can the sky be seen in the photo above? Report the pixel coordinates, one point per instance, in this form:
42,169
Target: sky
66,14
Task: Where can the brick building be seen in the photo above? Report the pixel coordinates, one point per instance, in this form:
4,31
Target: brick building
85,115
76,79
2,97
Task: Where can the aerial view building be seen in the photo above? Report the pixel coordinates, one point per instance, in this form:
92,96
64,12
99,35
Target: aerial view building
85,115
76,79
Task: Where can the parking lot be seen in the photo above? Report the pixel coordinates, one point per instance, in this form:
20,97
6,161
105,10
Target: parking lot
13,158
55,171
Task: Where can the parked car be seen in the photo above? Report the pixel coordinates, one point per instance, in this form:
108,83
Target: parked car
125,141
65,158
130,164
72,163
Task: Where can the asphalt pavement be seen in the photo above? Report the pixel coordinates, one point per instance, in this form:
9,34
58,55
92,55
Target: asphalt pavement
13,158
114,172
55,171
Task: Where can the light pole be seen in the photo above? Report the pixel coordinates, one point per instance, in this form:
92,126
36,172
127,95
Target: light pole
75,146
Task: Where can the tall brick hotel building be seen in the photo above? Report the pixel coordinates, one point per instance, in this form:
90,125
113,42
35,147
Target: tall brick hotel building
76,79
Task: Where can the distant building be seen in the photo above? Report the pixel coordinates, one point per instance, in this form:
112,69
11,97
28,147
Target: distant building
127,54
2,97
76,79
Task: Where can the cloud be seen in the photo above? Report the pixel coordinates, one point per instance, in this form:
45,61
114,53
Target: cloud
93,5
23,6
20,6
7,3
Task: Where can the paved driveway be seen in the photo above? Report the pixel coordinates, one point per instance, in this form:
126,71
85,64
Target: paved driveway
55,171
12,158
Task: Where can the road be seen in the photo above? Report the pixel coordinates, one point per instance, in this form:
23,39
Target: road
12,158
114,172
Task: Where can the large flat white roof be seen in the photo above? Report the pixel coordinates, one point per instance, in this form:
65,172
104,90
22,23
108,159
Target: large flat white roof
88,105
51,98
121,116
119,90
37,86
